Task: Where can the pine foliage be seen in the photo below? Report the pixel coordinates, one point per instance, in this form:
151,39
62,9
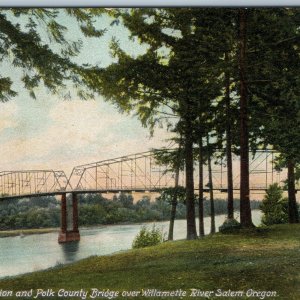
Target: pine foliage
274,206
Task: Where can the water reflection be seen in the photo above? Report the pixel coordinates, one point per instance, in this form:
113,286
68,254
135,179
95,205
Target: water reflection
70,251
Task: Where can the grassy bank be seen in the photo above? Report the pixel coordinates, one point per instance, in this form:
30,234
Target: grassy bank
268,260
7,233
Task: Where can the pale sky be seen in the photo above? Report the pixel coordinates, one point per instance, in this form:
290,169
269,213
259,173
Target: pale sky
52,133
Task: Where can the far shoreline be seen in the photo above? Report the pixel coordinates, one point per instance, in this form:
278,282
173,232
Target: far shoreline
31,231
23,232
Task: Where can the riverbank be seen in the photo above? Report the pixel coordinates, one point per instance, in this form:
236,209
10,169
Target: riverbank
23,232
261,263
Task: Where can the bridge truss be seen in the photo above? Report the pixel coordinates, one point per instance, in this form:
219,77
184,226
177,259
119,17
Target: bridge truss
140,172
135,173
16,184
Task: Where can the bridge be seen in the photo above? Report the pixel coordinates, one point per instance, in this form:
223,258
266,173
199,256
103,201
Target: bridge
139,172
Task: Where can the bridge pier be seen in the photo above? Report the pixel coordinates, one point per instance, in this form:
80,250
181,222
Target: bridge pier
66,235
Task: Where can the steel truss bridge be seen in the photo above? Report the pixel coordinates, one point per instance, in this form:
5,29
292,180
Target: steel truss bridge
134,173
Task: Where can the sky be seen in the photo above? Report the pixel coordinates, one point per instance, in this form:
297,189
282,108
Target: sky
52,133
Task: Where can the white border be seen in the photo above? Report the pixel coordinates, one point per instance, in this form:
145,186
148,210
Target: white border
141,3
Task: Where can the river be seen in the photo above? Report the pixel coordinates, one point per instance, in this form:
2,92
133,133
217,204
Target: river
35,252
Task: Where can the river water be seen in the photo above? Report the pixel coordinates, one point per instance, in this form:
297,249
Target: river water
20,255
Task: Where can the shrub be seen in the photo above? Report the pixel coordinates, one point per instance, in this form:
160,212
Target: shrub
274,206
148,237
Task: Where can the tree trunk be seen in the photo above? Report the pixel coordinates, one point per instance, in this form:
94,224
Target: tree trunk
201,208
245,210
189,173
174,200
211,192
172,216
293,209
230,214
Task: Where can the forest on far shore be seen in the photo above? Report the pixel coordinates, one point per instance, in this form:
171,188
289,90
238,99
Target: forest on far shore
94,209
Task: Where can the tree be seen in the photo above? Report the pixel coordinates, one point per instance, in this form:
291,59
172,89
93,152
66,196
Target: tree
172,196
174,161
266,63
275,100
170,78
201,188
230,213
245,210
126,200
274,206
216,116
35,42
211,188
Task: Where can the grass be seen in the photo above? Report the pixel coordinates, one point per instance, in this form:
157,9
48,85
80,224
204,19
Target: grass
261,260
17,232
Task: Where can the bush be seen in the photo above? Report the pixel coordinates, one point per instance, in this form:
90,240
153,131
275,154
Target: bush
148,237
274,206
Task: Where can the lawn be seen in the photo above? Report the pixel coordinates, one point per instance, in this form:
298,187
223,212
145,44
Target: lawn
256,264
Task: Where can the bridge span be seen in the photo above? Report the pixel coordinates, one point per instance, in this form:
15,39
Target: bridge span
138,172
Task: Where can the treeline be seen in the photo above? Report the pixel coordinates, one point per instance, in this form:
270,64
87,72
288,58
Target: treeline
94,209
38,212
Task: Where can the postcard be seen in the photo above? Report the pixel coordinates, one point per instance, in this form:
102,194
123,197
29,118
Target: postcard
149,152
